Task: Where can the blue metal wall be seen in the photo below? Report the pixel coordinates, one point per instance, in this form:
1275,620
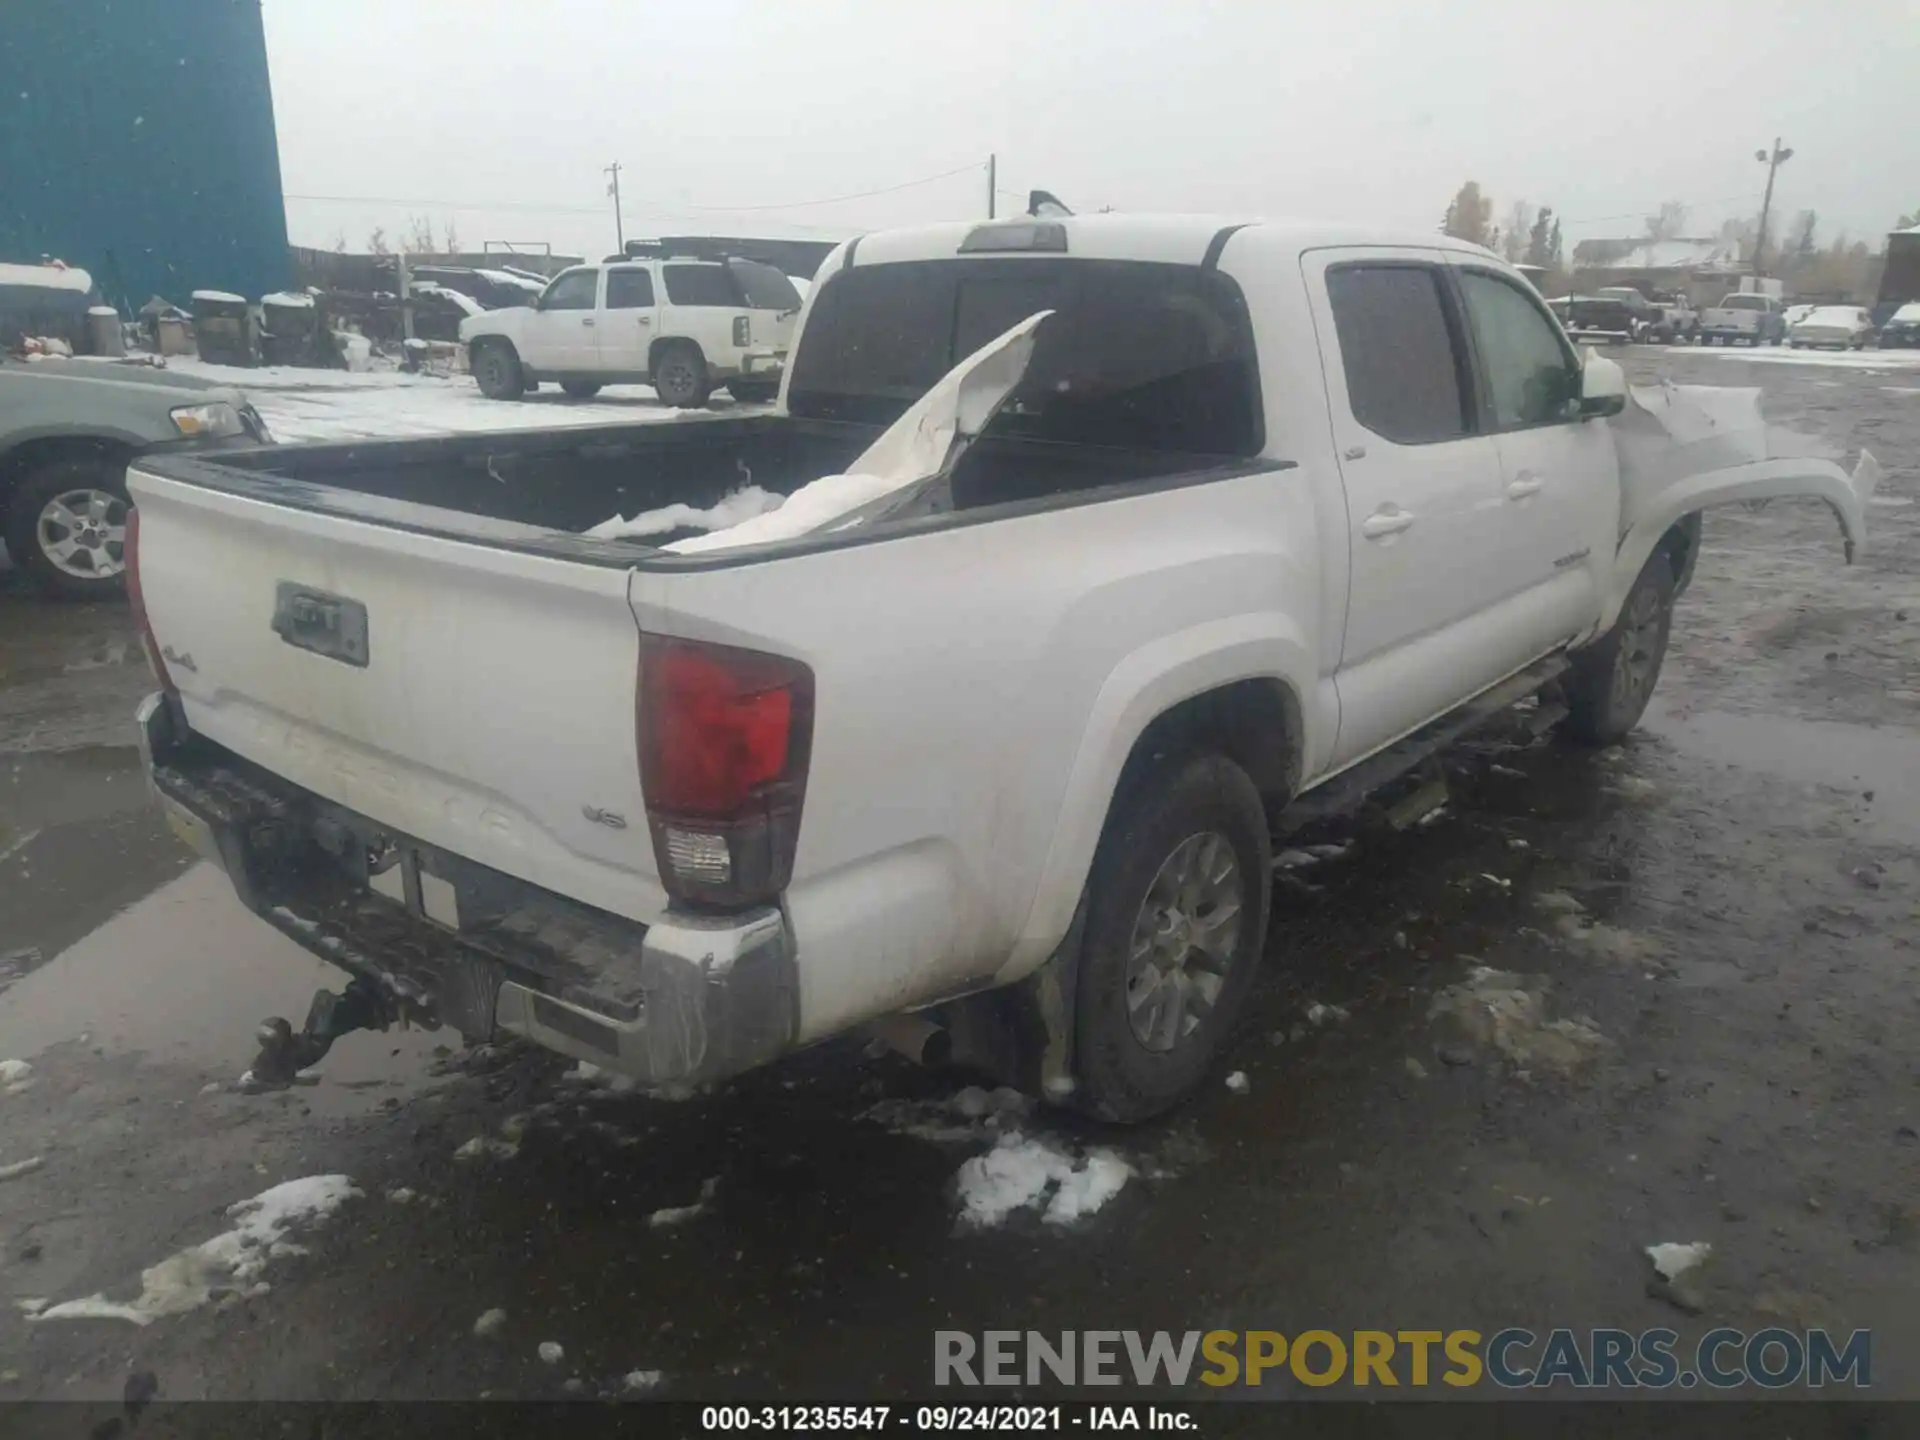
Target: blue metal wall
137,141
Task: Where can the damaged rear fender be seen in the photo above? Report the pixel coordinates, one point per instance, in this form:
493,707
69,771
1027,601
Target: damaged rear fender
1846,494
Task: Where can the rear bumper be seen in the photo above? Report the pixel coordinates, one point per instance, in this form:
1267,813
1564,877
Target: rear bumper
689,999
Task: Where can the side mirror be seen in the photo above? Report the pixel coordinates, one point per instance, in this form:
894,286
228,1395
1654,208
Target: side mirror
1603,386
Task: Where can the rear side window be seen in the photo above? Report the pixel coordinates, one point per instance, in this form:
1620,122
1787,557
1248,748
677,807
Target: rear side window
763,287
1139,356
629,289
701,285
1397,349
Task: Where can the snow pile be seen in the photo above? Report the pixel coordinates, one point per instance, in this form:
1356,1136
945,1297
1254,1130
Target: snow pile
679,1214
220,296
288,299
641,1381
1024,1172
47,277
465,302
1493,1011
1672,1260
808,508
234,1259
12,1072
742,505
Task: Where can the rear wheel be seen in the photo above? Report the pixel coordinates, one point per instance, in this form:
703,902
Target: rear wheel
680,375
753,392
496,369
67,527
1611,681
581,389
1176,922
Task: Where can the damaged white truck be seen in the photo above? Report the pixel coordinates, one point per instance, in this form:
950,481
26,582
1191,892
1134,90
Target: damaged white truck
983,740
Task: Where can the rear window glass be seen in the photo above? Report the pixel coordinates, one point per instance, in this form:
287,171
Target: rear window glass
1140,356
1744,302
763,287
701,285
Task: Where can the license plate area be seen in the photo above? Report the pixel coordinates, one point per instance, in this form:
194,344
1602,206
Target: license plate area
424,894
328,625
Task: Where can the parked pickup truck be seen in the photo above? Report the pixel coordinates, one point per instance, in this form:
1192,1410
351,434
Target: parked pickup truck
684,326
1232,525
1754,319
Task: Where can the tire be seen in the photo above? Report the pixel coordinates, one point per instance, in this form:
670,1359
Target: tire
1136,1058
1611,681
752,392
67,528
581,389
679,375
496,369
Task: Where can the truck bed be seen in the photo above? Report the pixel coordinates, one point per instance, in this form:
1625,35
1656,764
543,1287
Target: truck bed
537,490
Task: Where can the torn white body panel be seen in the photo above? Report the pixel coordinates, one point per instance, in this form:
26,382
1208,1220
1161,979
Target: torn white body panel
1686,448
921,444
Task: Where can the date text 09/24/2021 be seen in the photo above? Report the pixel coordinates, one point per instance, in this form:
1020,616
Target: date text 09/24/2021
947,1419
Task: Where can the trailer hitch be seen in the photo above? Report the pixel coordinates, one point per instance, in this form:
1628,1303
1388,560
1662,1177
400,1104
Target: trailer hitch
284,1054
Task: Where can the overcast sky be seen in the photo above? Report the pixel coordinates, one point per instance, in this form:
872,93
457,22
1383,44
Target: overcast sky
501,118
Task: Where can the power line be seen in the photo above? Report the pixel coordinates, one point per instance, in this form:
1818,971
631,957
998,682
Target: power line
1641,213
842,199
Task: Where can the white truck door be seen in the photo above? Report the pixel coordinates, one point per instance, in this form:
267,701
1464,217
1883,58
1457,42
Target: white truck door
559,334
627,320
1560,478
1423,494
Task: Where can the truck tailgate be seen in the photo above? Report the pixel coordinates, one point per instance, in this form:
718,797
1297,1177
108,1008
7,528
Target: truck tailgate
475,698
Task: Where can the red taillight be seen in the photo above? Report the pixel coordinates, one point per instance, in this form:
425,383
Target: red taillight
725,736
137,602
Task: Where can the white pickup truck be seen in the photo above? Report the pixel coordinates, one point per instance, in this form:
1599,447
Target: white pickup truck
1263,515
683,325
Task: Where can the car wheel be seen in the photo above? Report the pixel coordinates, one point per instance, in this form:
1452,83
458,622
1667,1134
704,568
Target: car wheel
752,392
1611,681
496,369
67,528
1176,923
581,389
680,375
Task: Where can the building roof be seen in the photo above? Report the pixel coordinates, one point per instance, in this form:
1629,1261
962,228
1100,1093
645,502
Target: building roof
1644,254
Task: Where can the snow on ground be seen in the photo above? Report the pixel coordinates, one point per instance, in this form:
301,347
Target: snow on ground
1871,361
230,1260
1027,1171
301,405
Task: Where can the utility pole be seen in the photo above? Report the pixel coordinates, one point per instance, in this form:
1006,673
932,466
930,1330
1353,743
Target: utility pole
993,167
1773,162
619,225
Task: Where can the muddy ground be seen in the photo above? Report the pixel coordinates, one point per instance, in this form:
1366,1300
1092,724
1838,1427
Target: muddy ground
1724,910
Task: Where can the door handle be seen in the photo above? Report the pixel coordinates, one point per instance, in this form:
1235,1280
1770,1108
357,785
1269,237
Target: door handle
1523,485
588,322
646,320
1383,523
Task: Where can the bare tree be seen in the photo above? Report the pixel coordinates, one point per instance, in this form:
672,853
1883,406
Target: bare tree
1669,223
340,242
377,241
1469,215
450,237
1801,242
419,237
1514,234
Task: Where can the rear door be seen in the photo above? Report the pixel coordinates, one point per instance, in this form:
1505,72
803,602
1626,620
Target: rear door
627,318
1423,492
559,335
702,305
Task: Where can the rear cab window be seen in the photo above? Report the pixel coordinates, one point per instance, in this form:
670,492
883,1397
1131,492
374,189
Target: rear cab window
1137,355
1745,302
700,284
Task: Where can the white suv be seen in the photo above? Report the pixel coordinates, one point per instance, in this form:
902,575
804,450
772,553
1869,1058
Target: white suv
683,326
